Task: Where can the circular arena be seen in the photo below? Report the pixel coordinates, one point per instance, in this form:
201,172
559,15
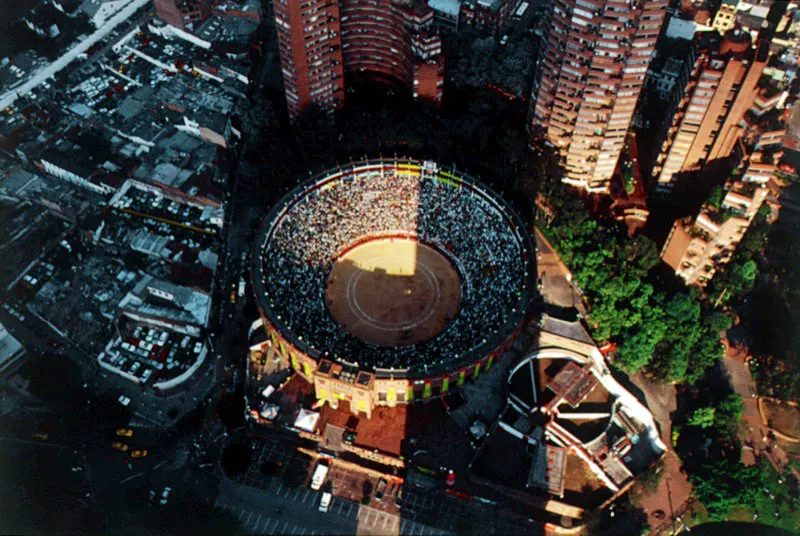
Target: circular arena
396,267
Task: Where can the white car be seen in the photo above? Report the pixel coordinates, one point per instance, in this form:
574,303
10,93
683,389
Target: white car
325,502
165,495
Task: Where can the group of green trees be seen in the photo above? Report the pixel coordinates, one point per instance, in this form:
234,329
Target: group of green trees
772,312
671,333
725,484
706,440
674,336
724,416
482,61
730,285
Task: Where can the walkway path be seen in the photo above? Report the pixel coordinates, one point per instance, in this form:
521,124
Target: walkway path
555,277
672,496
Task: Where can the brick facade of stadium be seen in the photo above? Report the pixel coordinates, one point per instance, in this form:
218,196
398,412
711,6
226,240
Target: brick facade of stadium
366,388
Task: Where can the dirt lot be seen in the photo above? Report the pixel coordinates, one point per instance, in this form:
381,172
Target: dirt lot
782,417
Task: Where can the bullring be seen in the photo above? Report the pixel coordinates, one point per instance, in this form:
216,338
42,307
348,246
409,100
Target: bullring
392,270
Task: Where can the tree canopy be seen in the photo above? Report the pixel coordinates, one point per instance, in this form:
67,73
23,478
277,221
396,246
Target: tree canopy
671,336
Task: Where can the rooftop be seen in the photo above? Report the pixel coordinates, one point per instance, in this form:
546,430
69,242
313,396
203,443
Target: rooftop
156,298
449,7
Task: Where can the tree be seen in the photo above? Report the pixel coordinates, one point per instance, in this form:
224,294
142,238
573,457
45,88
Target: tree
703,417
715,197
723,484
705,354
748,271
635,352
718,321
729,413
683,331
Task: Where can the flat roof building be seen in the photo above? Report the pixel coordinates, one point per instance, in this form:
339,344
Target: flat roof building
184,14
696,249
11,352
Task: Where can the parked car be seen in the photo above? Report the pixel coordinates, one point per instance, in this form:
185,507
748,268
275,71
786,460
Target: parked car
119,446
139,453
125,432
325,502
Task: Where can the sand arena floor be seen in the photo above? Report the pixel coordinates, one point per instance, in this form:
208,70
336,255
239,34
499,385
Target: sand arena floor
393,292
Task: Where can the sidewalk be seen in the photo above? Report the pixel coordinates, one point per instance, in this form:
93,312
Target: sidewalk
672,496
555,277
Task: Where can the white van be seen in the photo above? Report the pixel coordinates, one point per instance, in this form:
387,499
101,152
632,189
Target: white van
319,475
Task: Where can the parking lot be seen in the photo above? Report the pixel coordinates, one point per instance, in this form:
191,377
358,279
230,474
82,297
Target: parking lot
419,512
280,509
373,522
349,483
451,513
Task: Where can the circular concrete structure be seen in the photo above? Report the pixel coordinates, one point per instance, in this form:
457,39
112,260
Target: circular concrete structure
397,267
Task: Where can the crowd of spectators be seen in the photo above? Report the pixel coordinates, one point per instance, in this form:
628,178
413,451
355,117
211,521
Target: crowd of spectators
462,221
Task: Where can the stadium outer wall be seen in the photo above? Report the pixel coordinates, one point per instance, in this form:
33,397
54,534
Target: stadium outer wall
366,388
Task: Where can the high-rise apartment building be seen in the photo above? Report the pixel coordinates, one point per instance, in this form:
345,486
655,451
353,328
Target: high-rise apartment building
488,16
721,88
697,248
588,81
184,13
321,41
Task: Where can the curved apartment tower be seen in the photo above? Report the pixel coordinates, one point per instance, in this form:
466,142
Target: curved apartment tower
322,40
588,80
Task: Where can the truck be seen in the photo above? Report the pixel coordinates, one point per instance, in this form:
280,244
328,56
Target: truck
240,290
320,472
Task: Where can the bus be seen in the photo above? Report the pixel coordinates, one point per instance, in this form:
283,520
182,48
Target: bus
523,7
